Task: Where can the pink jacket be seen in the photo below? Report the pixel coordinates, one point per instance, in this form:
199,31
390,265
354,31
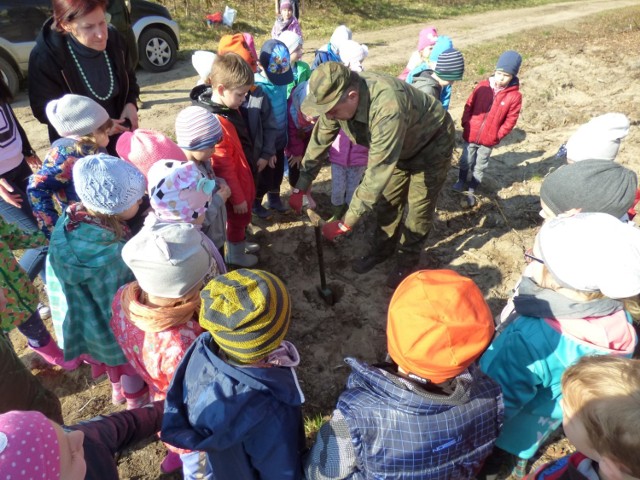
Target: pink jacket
154,355
348,154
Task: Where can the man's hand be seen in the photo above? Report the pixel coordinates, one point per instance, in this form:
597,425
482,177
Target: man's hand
6,193
334,229
299,199
240,208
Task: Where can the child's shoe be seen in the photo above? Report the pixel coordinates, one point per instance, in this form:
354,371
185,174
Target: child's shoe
274,203
251,247
139,399
53,355
458,186
117,397
259,211
171,463
235,255
471,198
462,180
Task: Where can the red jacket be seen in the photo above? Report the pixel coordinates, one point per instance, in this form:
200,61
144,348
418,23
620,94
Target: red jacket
230,164
487,119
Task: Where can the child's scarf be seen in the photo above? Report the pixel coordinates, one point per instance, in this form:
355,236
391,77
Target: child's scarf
78,215
157,319
281,24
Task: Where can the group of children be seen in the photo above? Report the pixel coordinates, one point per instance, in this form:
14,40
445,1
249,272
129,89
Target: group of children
145,296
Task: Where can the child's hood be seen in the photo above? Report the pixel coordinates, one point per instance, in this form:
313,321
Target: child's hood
201,95
77,255
224,403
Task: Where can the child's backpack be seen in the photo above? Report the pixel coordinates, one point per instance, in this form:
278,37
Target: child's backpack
322,56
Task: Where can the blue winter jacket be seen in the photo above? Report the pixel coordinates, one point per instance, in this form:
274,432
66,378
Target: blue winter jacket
248,420
277,95
403,434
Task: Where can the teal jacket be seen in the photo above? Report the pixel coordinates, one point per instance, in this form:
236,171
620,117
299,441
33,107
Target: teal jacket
84,271
527,360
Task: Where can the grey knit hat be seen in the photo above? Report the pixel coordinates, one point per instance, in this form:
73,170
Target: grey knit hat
168,259
450,65
75,115
107,184
592,186
197,128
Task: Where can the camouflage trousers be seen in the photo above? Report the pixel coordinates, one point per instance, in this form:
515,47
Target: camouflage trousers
407,204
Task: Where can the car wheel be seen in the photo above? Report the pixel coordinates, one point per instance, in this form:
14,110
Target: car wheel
158,51
10,76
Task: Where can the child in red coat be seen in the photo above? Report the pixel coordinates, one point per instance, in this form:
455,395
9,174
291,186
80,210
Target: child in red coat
490,113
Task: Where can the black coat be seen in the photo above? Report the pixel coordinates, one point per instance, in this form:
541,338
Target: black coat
53,73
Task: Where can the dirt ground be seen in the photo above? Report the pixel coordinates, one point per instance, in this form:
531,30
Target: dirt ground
562,87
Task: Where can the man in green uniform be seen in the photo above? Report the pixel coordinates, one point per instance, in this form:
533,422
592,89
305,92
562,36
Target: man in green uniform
410,139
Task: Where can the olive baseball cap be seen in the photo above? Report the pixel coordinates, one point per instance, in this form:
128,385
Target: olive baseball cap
327,84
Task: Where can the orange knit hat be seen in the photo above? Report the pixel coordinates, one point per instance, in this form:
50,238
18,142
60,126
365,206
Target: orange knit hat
238,45
438,324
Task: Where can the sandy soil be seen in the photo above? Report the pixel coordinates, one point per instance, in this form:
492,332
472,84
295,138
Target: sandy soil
562,87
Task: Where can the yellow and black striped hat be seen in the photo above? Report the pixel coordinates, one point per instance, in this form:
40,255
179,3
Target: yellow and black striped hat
247,312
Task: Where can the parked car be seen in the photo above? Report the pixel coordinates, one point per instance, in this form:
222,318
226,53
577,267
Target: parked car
157,36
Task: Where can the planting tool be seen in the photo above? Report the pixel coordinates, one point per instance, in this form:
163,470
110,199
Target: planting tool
323,289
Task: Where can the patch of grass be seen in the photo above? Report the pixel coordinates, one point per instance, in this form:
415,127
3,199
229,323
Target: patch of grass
319,18
620,26
312,425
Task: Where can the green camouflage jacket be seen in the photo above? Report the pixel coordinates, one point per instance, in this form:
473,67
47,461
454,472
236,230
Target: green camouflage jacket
394,120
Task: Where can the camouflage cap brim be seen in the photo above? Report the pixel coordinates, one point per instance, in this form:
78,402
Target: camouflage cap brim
311,108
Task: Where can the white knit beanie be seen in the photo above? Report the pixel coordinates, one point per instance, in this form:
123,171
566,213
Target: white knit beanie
107,184
341,34
592,252
353,54
197,128
75,115
598,139
291,39
202,61
168,259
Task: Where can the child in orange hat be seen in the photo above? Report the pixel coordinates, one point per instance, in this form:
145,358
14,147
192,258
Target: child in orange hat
428,412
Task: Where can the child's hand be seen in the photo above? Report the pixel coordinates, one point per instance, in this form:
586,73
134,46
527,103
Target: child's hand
295,160
6,192
34,161
262,164
240,208
272,161
224,192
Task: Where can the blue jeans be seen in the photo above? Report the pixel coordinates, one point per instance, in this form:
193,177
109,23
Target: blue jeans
32,260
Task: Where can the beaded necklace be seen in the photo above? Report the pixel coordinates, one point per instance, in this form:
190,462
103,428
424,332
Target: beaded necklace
84,77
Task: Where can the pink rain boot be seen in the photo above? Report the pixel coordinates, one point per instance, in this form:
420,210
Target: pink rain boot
117,397
52,354
171,463
138,399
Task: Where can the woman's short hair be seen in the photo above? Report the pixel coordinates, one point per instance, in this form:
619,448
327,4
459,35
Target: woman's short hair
67,10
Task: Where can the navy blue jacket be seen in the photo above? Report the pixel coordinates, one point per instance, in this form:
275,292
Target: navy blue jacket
248,420
404,433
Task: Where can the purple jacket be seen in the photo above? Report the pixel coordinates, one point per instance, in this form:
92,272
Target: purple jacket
344,152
